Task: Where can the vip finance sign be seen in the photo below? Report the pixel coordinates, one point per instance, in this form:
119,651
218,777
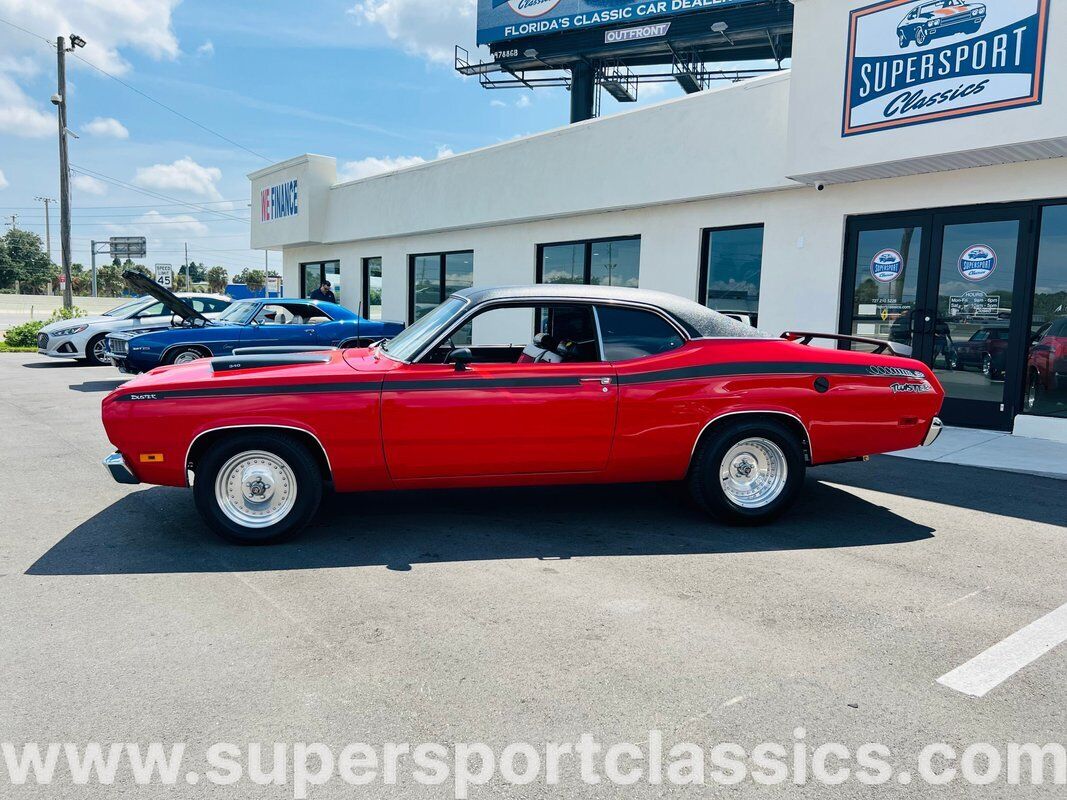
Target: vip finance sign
911,61
276,202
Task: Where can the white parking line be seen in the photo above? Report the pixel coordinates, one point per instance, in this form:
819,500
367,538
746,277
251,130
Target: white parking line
988,670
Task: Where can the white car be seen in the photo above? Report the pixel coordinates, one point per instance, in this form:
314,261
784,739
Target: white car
83,337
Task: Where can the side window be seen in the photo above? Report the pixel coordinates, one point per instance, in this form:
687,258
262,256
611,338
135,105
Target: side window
211,305
629,333
153,310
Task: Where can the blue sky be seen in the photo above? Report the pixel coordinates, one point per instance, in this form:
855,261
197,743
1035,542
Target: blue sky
367,81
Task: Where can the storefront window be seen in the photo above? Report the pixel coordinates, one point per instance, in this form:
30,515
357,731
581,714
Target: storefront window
730,269
314,273
434,276
1046,361
599,262
887,279
372,288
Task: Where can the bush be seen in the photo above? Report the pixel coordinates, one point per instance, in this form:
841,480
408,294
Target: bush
63,313
24,335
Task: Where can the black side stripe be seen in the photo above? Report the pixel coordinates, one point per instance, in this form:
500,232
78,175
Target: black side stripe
742,369
733,370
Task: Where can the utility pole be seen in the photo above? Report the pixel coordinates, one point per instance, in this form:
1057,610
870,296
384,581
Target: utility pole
188,278
14,224
59,99
47,225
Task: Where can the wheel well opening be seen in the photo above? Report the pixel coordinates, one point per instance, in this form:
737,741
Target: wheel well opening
206,441
790,422
169,354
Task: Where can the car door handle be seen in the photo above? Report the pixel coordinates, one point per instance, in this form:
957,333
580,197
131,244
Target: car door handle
601,381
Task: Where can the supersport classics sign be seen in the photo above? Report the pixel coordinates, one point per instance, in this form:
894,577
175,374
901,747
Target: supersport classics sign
916,61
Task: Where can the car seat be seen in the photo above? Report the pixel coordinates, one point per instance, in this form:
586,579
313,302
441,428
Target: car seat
541,350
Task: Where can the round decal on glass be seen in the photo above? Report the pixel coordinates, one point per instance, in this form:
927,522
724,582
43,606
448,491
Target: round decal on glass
532,8
887,265
978,262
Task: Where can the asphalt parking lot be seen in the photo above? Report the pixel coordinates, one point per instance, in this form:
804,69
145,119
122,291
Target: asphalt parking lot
515,615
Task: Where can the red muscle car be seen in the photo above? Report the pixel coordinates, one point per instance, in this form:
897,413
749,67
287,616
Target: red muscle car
616,385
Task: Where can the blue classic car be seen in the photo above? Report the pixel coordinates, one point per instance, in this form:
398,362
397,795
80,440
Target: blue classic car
936,18
258,322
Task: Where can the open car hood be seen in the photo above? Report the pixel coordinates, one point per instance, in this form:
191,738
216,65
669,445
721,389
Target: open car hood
174,304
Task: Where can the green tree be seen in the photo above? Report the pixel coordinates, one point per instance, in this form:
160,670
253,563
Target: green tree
217,278
26,261
255,280
197,272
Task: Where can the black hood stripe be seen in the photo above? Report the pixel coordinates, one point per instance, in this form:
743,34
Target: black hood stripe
729,370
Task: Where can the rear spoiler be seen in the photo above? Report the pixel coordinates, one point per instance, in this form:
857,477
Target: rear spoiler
231,363
269,350
880,345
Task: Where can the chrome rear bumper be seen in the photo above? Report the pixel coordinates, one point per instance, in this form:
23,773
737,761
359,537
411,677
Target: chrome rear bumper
933,433
116,465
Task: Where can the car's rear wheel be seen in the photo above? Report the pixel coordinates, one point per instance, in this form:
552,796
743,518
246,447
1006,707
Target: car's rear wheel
185,355
257,488
96,352
748,472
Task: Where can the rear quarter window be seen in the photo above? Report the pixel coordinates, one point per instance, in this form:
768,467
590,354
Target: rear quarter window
630,333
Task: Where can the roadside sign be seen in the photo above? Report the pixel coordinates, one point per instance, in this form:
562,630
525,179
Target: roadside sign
165,275
274,285
128,246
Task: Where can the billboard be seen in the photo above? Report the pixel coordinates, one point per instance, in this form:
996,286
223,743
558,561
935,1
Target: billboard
500,20
916,61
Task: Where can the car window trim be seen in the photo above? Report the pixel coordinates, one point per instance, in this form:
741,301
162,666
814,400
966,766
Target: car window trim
533,302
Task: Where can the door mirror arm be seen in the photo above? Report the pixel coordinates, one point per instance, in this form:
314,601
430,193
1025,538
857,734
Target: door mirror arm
462,358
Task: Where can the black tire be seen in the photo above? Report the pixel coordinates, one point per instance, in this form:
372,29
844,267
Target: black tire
306,476
91,357
705,484
920,36
172,358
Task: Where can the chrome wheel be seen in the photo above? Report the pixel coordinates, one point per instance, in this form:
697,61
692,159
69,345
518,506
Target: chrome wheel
255,489
100,352
187,356
753,472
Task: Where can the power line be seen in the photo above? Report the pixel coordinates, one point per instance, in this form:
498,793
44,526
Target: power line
145,95
149,193
150,205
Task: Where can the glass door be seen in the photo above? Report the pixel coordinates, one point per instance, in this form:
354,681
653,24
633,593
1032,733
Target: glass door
973,332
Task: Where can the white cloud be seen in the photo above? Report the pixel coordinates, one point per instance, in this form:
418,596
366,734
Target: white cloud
498,104
172,224
184,175
426,28
365,167
108,26
106,126
89,185
648,90
206,50
523,101
3,181
20,115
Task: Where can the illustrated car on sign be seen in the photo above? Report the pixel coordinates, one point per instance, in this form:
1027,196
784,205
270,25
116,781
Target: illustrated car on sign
936,18
616,385
83,337
246,323
1046,364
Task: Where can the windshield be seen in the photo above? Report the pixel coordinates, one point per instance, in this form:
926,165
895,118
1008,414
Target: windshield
128,306
238,313
406,344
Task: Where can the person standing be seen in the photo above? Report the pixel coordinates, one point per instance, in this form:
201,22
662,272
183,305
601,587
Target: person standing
324,292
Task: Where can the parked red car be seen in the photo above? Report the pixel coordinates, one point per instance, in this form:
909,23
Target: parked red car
617,385
1046,365
986,350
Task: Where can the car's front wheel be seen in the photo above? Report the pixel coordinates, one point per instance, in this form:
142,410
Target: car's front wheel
747,473
185,355
96,352
257,488
920,36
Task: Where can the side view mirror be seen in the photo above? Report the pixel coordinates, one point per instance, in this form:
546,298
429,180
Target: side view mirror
461,357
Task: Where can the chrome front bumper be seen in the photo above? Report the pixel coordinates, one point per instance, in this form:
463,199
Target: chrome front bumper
933,433
116,465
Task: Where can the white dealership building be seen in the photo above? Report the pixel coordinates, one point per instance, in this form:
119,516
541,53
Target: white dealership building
882,187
